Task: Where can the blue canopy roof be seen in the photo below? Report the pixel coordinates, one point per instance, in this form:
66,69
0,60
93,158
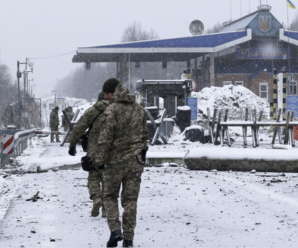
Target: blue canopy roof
288,36
194,44
212,40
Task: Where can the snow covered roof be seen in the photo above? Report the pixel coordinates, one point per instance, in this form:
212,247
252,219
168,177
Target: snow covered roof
240,24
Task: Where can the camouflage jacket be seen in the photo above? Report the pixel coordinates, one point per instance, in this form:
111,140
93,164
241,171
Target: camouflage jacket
54,119
84,122
124,131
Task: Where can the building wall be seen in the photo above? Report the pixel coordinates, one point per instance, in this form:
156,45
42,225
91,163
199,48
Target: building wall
220,78
261,78
251,79
254,64
252,84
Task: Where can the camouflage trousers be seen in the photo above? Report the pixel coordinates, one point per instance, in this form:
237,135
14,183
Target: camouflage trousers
56,135
95,185
128,175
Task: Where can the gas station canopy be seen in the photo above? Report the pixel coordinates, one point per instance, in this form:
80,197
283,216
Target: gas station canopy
163,50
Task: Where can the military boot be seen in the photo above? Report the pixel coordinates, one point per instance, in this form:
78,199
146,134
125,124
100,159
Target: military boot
114,238
127,243
97,203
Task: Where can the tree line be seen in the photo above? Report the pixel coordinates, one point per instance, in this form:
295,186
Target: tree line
7,95
9,103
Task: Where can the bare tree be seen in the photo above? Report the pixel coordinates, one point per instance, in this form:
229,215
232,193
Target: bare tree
134,32
149,70
6,94
294,24
215,29
86,84
9,101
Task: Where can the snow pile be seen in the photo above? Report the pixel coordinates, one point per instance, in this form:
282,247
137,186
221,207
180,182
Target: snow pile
229,97
69,101
75,103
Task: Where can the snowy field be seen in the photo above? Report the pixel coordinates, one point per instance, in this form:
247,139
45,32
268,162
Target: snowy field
177,207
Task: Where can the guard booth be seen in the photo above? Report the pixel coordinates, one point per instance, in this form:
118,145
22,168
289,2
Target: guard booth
173,92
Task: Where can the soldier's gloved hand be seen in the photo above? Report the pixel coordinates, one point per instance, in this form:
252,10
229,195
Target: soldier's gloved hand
72,151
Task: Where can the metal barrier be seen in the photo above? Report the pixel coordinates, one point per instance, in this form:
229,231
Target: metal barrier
70,124
222,131
20,144
157,125
4,158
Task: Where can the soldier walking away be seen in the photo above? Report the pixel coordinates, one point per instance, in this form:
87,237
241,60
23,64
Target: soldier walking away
91,115
54,123
122,139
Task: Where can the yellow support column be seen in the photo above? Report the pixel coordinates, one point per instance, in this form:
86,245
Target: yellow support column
274,94
271,110
284,95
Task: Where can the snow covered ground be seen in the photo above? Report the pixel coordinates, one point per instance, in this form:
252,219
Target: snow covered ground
177,207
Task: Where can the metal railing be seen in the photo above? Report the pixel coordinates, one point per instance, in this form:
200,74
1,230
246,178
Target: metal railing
218,127
20,144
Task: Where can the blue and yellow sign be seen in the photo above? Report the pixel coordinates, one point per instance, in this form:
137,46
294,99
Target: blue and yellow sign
262,53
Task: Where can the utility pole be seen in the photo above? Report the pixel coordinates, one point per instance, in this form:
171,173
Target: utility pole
19,75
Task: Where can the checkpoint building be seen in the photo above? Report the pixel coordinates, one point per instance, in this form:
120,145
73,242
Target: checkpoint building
244,52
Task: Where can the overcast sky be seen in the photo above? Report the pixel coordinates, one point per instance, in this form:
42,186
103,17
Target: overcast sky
50,31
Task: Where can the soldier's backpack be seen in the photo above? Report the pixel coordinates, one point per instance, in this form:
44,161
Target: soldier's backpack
84,138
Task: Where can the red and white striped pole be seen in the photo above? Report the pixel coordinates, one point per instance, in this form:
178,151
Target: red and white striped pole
8,144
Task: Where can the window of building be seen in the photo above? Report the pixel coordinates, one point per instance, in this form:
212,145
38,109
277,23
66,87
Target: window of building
239,83
293,88
227,83
264,91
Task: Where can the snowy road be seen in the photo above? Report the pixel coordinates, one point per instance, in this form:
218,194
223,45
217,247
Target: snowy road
177,207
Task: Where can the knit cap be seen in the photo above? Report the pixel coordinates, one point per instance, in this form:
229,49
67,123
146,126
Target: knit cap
110,85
